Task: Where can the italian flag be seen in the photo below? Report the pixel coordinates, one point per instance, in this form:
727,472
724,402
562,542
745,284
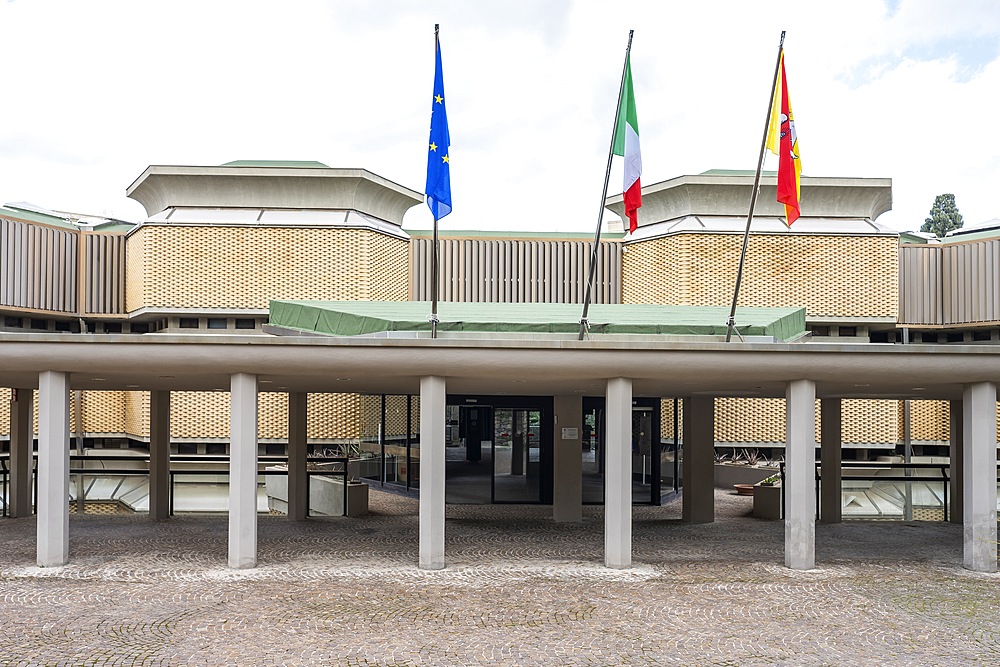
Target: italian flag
627,145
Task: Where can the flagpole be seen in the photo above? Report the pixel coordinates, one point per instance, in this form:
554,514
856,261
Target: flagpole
434,249
584,325
731,323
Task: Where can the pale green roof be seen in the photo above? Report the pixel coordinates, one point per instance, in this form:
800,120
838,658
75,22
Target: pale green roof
357,318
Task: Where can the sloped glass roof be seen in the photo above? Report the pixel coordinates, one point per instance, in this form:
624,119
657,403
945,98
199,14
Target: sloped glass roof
361,318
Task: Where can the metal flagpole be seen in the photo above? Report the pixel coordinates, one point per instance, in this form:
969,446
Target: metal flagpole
731,323
434,249
584,325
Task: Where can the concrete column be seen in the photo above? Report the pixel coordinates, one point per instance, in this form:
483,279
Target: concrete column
618,475
243,471
979,460
159,455
800,475
699,460
22,448
53,469
567,485
956,495
298,478
432,415
831,442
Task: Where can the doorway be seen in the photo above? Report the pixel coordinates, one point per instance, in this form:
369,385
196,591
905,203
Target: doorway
498,449
646,451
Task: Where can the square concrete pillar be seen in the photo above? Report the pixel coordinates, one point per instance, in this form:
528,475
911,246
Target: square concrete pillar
698,497
956,495
159,455
567,485
618,474
800,475
831,460
432,447
53,469
298,478
22,448
979,462
243,471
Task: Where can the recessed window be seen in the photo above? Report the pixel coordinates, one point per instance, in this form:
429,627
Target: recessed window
39,324
189,323
216,323
112,327
956,337
882,337
187,448
821,331
847,332
928,338
275,449
981,335
243,323
14,322
140,328
216,448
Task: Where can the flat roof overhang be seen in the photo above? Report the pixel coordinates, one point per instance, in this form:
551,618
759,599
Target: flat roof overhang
205,362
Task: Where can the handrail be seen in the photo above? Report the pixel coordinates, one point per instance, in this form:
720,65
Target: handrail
5,472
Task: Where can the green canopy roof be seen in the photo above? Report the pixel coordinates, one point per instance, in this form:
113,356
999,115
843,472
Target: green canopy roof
358,318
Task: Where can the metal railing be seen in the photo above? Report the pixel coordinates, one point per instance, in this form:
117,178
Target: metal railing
84,471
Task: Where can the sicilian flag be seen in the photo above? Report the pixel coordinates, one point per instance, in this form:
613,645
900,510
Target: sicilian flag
783,141
627,144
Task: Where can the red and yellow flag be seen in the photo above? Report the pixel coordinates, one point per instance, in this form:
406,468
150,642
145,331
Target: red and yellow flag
783,141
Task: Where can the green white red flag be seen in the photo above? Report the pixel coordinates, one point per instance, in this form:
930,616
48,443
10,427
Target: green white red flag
627,145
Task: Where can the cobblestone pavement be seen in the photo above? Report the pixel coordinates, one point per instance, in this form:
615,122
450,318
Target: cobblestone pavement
519,590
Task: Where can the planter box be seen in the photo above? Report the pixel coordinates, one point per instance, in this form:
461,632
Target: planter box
767,501
727,474
326,495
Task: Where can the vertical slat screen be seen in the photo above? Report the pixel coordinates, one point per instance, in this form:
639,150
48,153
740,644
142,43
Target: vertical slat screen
38,267
951,284
105,273
515,271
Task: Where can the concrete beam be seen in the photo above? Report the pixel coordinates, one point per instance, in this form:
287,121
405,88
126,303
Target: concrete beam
53,469
432,447
831,461
618,475
698,497
567,486
22,447
243,471
800,475
298,478
159,455
979,460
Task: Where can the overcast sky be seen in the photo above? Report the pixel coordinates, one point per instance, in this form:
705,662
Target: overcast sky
97,91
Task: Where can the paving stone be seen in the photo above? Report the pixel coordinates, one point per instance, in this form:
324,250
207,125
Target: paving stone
518,590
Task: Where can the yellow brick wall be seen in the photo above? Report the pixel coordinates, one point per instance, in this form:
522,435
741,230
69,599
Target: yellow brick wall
831,276
5,411
104,412
763,420
245,267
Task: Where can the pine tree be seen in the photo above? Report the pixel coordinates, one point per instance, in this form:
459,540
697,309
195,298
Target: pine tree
944,216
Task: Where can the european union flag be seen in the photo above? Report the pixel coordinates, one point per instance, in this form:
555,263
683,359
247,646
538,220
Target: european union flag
438,189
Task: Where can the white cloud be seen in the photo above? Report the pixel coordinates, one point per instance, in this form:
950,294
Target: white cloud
97,91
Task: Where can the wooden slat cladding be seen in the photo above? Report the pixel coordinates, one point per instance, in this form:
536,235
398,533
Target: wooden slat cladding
38,267
515,271
948,285
105,274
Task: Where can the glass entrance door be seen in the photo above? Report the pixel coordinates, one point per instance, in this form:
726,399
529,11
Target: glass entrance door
517,455
645,448
498,449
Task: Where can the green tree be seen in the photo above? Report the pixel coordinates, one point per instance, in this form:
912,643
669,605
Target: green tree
944,216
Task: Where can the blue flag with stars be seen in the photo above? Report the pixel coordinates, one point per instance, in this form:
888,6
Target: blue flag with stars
438,189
